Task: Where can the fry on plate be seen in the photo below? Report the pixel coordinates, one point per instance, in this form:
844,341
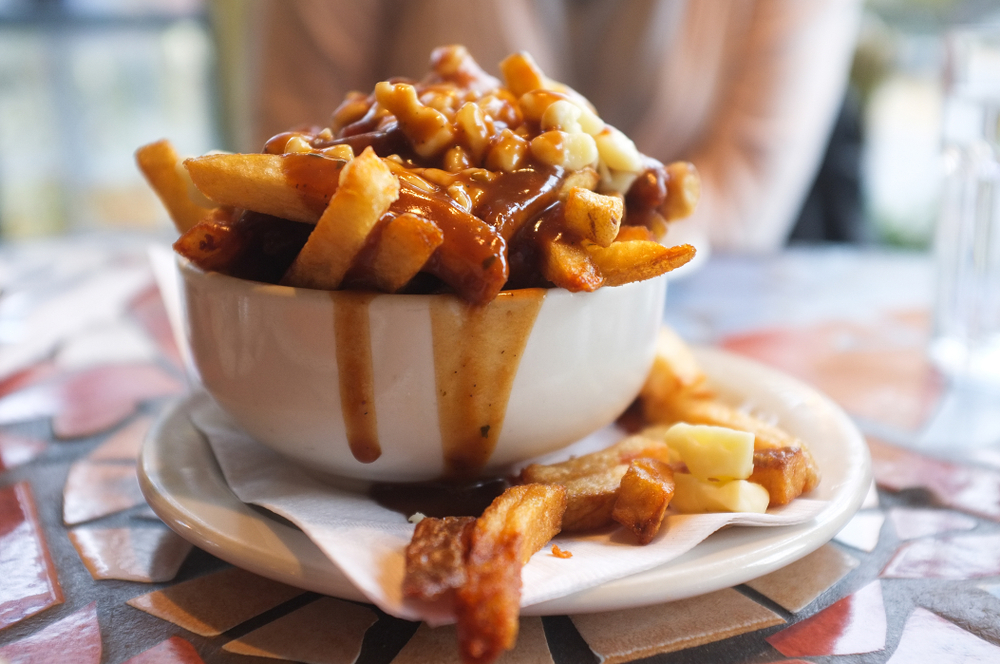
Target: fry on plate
516,525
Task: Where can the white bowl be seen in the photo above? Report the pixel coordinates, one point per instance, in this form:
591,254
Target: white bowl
269,356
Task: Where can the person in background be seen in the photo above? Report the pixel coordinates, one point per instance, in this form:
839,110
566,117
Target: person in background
746,89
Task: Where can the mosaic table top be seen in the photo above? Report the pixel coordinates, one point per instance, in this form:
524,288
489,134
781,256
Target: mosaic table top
88,573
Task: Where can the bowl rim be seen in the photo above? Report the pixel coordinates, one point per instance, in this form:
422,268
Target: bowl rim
252,287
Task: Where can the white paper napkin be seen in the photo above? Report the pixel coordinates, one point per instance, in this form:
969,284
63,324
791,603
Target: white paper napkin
366,541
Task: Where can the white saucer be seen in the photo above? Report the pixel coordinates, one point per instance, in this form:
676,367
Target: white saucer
183,484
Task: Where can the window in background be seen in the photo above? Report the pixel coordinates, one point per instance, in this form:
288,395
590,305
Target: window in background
82,84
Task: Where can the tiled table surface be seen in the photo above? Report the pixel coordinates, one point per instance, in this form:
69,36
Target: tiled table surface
89,574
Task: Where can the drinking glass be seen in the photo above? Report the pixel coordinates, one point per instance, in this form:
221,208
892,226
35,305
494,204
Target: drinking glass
966,340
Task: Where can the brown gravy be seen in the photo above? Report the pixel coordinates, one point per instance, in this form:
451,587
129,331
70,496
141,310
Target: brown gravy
439,499
476,354
354,364
477,350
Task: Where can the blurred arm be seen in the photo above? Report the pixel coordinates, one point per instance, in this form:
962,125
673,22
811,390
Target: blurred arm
762,149
313,53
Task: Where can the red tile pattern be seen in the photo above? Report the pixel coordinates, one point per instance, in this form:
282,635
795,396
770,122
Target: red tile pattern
853,625
75,639
212,604
327,631
795,586
147,308
878,370
174,650
124,445
95,490
956,557
622,636
965,488
930,639
862,531
149,554
913,523
90,401
27,377
28,582
17,450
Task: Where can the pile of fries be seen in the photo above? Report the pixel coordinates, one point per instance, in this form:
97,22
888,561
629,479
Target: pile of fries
695,454
455,183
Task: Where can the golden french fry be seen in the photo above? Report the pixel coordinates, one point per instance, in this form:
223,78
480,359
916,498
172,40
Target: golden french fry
516,525
703,408
366,190
594,216
643,496
786,473
683,190
676,391
211,244
435,557
399,249
708,410
159,164
590,499
625,262
622,452
291,186
251,246
592,480
569,266
675,370
627,233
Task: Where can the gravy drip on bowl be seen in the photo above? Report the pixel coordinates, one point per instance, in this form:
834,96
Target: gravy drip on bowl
476,354
477,351
356,376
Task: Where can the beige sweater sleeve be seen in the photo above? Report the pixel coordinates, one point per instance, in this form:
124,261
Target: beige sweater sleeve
771,119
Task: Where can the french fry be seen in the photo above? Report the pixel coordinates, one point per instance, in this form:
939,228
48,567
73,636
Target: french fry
705,409
683,191
159,164
676,391
211,244
569,266
366,190
590,499
472,257
594,216
251,245
622,452
625,262
675,370
786,473
592,480
398,250
292,186
435,557
628,233
643,496
516,525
